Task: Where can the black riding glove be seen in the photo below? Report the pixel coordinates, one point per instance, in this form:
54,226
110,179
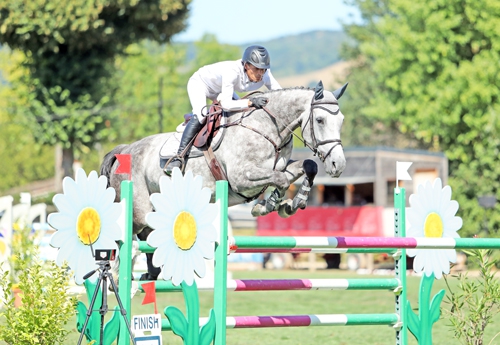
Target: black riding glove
259,102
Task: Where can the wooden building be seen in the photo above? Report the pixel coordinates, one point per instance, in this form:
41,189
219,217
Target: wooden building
370,175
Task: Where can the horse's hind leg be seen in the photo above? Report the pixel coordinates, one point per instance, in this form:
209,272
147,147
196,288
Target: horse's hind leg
153,272
270,204
294,170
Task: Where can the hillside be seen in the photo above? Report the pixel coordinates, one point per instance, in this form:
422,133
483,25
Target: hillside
296,54
302,53
332,76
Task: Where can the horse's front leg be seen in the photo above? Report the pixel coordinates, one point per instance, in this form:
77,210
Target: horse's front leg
289,207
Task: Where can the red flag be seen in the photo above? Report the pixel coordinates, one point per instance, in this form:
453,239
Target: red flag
150,294
124,164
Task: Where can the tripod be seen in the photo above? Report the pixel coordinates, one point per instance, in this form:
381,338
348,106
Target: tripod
104,267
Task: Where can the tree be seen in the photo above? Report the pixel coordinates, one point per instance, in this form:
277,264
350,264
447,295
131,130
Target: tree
151,95
209,51
70,47
23,159
152,90
434,69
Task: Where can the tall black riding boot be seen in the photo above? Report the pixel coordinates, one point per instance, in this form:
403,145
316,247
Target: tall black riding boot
192,128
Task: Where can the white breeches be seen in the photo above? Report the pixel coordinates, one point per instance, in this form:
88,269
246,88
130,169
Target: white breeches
198,94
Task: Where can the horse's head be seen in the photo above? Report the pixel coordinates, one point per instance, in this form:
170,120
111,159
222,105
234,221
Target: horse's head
321,129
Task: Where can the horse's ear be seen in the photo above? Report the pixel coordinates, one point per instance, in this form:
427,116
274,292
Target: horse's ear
318,91
340,91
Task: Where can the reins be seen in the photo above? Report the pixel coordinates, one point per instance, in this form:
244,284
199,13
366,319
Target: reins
315,144
277,148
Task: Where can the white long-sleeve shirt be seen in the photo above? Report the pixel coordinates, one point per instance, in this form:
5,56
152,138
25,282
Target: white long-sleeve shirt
222,79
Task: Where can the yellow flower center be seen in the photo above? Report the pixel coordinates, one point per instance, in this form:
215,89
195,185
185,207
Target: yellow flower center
88,226
3,247
433,226
185,230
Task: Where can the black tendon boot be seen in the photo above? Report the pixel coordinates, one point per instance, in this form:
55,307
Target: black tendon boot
192,128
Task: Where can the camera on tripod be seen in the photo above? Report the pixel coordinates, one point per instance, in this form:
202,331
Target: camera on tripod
103,257
105,254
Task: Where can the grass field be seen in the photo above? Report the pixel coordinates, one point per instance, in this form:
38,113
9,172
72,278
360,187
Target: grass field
306,302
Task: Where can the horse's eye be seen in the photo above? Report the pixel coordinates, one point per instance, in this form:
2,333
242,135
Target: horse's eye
319,120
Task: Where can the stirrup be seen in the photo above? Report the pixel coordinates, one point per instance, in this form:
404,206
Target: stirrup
172,163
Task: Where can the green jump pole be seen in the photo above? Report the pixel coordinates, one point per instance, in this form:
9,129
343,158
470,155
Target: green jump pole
125,269
221,252
400,263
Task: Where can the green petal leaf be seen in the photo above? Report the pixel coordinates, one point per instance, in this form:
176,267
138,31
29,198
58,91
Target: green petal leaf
177,321
81,315
413,321
112,328
435,310
207,332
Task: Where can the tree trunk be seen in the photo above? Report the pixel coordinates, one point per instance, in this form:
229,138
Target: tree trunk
68,158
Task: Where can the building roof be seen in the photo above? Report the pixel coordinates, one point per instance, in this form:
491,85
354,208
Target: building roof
362,162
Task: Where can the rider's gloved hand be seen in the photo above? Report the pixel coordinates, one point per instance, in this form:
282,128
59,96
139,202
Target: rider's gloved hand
259,102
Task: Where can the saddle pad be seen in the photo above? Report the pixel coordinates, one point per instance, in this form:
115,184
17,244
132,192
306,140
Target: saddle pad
171,145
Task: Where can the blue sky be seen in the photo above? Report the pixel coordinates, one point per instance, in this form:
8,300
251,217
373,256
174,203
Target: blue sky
254,21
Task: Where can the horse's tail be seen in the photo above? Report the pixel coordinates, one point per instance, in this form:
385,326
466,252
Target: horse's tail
109,160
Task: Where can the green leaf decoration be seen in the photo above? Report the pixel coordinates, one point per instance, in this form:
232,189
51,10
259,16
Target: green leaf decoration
92,332
207,332
81,315
435,306
112,328
428,312
177,321
413,321
90,288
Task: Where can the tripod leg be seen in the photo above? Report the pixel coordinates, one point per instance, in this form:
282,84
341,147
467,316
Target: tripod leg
90,310
122,309
104,306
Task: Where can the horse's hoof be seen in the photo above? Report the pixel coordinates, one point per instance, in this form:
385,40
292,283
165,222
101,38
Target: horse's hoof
259,210
285,209
147,276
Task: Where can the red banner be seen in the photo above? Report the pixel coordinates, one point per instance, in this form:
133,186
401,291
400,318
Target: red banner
150,294
325,221
124,164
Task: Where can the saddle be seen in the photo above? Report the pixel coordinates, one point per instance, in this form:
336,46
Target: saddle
211,127
203,141
204,138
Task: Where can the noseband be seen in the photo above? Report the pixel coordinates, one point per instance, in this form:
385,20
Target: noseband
315,143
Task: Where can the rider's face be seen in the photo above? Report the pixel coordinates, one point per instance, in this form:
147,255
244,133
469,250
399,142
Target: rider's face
254,74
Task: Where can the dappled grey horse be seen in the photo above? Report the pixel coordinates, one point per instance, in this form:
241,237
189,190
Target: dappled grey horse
254,153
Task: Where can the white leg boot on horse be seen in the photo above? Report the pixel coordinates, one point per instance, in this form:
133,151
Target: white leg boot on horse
191,130
289,207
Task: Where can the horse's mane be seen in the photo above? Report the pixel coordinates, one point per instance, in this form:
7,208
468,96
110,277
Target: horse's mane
288,89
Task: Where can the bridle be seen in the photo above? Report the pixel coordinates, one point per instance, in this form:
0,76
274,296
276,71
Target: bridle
315,143
277,148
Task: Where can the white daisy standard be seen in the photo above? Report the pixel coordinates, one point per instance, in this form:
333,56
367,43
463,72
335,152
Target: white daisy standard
87,219
184,233
432,214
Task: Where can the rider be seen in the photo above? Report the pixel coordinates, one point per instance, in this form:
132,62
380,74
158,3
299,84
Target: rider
219,81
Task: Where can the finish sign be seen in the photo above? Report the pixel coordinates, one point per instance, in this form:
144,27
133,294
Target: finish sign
147,329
